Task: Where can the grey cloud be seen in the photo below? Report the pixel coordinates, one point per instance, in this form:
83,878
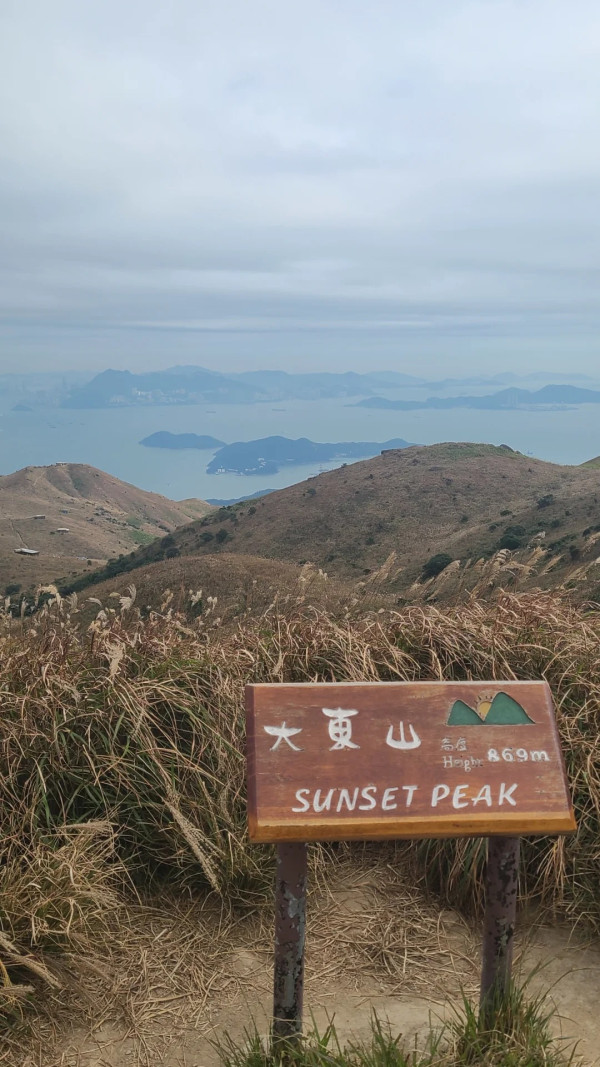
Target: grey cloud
416,174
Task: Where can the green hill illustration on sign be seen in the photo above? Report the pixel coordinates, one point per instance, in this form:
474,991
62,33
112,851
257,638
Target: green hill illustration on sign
497,710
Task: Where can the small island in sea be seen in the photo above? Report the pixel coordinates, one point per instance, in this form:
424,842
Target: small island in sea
268,454
164,439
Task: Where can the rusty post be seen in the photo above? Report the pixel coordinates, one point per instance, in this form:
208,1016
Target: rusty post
290,927
501,884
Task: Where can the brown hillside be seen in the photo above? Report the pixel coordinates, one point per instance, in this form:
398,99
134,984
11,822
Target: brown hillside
103,515
226,587
401,508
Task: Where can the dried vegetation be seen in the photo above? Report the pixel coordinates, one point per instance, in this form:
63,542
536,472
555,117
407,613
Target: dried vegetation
122,769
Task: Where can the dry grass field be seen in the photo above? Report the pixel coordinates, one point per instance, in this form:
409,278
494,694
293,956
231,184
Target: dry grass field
134,914
123,819
244,587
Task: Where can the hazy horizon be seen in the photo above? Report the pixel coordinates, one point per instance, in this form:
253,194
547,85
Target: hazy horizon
498,376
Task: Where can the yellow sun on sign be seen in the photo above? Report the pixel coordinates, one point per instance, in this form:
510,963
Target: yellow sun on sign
484,703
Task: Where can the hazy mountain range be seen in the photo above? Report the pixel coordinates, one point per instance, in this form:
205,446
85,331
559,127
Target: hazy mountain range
506,399
190,385
197,385
194,384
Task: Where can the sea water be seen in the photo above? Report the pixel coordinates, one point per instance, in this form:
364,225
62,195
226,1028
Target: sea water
110,439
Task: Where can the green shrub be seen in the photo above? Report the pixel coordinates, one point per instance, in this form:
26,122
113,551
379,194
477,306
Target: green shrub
512,538
435,565
545,501
510,541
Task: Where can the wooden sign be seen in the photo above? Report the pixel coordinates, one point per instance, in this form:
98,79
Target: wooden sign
401,759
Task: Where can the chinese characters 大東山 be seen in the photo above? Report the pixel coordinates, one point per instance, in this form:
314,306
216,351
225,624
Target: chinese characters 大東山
340,732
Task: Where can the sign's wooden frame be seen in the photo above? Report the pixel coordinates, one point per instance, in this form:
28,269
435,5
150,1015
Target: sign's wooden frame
443,726
290,728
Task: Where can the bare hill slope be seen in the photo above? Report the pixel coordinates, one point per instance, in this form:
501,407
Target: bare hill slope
493,515
70,512
225,587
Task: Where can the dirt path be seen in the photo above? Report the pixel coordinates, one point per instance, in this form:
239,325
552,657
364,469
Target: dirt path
569,970
180,980
17,533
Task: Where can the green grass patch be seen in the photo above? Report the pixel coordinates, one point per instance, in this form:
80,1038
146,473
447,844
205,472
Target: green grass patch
516,1034
467,450
140,537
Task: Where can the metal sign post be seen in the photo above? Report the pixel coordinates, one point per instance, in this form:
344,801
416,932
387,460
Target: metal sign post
409,760
501,887
290,927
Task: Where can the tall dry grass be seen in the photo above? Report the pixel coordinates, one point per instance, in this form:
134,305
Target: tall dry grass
121,750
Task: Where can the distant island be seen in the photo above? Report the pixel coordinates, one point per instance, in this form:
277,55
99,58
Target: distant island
219,502
197,385
505,400
164,439
268,454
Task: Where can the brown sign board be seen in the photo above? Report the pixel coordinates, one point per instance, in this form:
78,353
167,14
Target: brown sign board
342,761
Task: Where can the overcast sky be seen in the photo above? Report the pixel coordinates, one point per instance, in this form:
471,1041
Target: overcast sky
348,184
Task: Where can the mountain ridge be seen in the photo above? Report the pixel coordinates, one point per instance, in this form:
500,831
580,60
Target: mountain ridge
197,385
474,512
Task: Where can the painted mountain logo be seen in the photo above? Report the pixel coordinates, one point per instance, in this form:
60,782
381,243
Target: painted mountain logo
492,709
